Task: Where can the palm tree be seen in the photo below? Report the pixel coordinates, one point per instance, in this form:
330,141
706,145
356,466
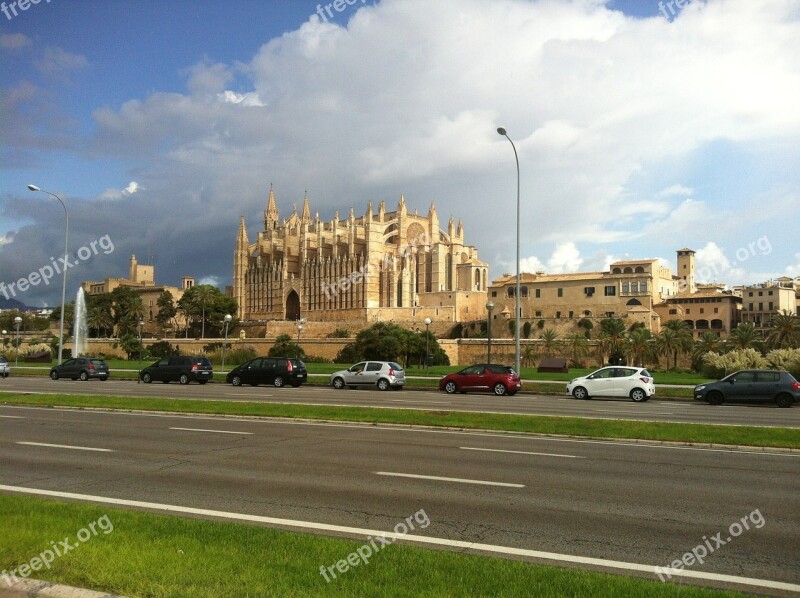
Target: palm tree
528,355
549,342
603,347
674,339
614,329
707,343
638,344
576,346
99,319
784,331
745,336
203,294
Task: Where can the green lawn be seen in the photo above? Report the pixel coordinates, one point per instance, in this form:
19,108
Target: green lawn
157,555
567,426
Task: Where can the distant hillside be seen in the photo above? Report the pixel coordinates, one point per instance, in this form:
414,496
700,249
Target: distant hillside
12,304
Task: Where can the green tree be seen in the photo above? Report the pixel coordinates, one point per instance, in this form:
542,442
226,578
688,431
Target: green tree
167,311
745,336
528,356
784,332
205,303
549,342
389,342
286,346
99,320
707,343
614,331
638,345
674,339
576,347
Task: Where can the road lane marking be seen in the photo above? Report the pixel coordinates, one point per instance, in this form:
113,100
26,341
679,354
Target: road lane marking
13,416
636,412
413,401
472,448
441,479
212,431
67,446
240,394
411,538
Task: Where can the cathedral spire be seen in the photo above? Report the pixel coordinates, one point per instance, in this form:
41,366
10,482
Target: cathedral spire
306,209
242,242
271,217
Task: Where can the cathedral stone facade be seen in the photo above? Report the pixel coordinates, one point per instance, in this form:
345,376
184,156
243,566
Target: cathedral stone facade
383,266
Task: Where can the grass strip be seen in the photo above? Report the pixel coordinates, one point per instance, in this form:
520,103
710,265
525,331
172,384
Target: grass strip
540,424
156,555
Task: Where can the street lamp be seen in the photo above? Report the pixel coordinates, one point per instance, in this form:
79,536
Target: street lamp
489,308
141,323
66,261
299,330
427,340
502,131
4,339
227,319
17,322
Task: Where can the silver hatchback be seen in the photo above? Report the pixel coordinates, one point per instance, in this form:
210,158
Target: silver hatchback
381,374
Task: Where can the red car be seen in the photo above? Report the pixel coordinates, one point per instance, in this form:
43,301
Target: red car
494,378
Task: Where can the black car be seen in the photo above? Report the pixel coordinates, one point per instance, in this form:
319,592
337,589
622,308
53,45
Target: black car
277,371
80,367
751,385
178,369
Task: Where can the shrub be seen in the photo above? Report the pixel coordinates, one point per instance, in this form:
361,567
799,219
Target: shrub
585,323
719,366
457,331
526,329
785,359
162,349
317,359
340,333
540,324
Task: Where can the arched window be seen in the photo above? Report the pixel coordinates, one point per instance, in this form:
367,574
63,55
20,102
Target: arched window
634,287
523,291
625,288
639,270
628,270
634,301
616,271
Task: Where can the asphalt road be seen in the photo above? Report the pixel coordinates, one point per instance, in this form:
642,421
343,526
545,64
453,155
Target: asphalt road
653,410
627,505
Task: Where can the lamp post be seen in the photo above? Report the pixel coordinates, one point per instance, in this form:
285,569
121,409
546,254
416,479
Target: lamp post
141,324
17,323
427,340
66,261
502,131
489,308
227,319
299,330
4,339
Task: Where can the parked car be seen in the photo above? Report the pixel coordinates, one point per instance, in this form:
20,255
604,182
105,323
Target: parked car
382,374
178,369
5,369
80,367
494,378
277,371
751,385
614,381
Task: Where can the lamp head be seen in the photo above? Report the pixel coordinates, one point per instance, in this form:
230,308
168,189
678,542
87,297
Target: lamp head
501,130
489,305
18,320
427,321
33,188
228,318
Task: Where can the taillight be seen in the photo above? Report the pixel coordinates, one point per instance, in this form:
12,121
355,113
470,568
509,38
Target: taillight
91,366
645,380
391,371
796,385
289,366
194,367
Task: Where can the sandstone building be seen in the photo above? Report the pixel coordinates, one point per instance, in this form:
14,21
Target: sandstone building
387,266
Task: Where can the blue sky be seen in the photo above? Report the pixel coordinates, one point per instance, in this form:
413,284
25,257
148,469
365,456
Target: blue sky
161,123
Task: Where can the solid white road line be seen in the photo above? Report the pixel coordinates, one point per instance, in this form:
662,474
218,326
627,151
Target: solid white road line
212,431
637,412
472,448
412,401
440,479
413,538
66,446
13,416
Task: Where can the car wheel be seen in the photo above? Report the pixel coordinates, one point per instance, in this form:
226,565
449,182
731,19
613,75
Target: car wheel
383,384
278,382
579,392
236,381
202,381
450,387
638,395
500,389
147,378
54,375
184,379
715,398
84,376
784,400
338,383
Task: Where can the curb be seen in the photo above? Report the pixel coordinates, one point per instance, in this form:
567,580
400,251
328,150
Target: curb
46,589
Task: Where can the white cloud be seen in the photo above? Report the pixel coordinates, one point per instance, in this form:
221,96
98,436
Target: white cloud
713,265
112,194
14,41
56,61
794,271
565,258
676,189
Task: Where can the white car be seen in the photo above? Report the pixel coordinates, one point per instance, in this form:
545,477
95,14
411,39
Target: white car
5,369
382,374
614,381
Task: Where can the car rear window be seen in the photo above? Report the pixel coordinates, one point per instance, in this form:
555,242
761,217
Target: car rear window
646,373
97,362
395,366
296,363
203,362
